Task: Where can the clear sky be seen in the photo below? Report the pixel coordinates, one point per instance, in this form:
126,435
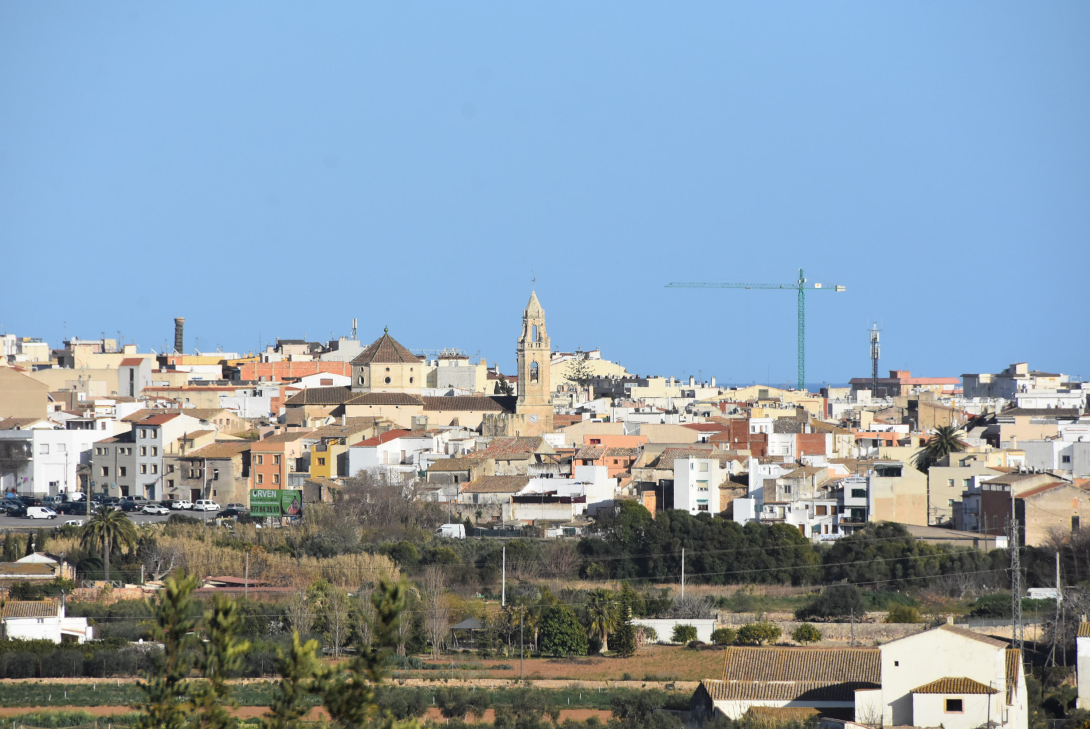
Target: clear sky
277,168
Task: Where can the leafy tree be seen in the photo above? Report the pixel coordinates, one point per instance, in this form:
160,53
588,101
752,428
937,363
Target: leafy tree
908,614
601,613
683,634
724,636
580,371
503,387
11,548
838,601
945,440
108,528
220,655
806,633
460,703
29,544
995,605
167,704
560,633
526,710
623,640
759,633
300,671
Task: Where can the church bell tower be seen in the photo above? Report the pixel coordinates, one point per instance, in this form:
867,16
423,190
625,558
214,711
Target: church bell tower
534,386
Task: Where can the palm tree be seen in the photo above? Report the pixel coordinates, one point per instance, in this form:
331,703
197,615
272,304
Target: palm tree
601,615
107,528
945,440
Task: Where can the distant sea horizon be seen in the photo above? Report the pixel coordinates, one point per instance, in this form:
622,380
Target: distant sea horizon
810,386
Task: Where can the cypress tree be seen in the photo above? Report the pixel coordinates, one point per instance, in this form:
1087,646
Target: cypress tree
29,544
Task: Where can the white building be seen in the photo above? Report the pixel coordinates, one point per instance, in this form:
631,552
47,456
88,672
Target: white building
50,459
42,620
395,452
696,485
947,676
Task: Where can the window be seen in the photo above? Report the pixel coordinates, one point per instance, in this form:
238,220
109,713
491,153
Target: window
260,478
704,466
701,507
170,483
43,448
60,448
966,483
143,468
821,510
122,471
387,380
954,706
410,380
105,470
533,371
321,461
1074,523
143,450
787,488
155,450
859,493
896,663
215,474
276,478
950,503
595,441
261,460
361,379
170,468
950,482
276,460
155,468
1065,459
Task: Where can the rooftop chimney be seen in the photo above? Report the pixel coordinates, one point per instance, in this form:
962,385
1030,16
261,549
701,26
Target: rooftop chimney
179,330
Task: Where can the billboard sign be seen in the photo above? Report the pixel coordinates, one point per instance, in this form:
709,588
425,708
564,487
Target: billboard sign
276,503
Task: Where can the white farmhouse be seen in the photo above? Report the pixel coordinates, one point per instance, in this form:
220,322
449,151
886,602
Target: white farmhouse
947,676
42,620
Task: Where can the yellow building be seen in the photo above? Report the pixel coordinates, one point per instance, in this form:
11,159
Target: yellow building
386,366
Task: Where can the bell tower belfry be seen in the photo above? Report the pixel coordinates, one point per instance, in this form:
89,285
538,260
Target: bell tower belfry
534,386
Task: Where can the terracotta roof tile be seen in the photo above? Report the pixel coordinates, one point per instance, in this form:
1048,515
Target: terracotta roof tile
30,609
225,449
454,464
954,685
472,403
804,664
385,350
783,690
384,398
386,437
321,396
496,485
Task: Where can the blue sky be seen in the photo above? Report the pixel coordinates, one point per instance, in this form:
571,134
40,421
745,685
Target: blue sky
273,169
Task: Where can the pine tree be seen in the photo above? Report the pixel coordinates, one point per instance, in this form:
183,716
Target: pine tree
29,544
11,548
168,704
39,542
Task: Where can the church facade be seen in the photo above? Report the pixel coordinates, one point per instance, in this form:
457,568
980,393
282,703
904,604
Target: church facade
533,410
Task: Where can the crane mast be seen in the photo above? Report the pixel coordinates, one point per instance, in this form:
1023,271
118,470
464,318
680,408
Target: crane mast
799,286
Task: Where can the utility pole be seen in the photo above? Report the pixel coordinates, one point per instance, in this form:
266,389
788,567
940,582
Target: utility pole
246,584
853,627
522,643
799,286
683,571
1016,581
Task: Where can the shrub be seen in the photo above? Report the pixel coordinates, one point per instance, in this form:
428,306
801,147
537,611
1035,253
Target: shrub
806,633
759,633
723,636
623,641
902,614
683,634
838,601
18,664
560,632
62,663
695,645
996,605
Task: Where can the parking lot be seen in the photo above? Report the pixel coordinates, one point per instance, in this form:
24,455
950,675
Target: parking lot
9,522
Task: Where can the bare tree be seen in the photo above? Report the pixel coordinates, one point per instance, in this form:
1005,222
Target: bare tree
300,613
691,606
160,562
561,558
433,595
374,501
337,620
364,615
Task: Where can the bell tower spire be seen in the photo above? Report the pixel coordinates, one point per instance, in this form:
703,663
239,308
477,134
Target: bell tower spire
534,357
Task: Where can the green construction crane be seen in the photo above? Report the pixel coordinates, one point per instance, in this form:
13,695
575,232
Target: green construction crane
800,286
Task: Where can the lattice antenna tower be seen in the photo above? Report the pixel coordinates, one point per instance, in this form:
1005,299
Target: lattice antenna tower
875,354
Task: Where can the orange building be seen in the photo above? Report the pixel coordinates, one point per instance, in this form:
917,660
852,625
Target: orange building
289,370
273,458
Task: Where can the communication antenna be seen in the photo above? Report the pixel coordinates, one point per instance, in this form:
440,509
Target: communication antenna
353,328
875,353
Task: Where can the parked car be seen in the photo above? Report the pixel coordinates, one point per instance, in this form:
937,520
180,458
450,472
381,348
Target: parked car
156,509
181,504
30,500
206,505
241,508
230,514
18,511
75,507
40,512
133,503
73,522
8,504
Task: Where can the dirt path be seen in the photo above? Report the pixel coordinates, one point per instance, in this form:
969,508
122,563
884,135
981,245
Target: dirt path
316,714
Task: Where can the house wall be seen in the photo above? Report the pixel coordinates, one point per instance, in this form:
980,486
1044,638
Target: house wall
902,499
930,710
22,396
1082,647
1054,510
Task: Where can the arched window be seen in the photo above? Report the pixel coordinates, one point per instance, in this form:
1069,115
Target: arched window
361,379
533,333
533,372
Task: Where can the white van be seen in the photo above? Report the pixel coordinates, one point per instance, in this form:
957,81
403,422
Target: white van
40,512
206,505
453,531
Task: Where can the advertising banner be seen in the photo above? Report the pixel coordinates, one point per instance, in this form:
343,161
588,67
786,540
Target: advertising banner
276,502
